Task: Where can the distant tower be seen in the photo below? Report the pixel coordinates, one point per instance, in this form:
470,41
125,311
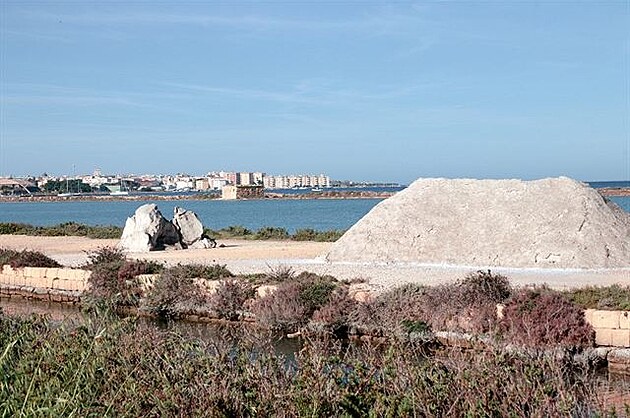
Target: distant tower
97,172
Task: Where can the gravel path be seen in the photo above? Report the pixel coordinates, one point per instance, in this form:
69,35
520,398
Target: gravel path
242,256
383,276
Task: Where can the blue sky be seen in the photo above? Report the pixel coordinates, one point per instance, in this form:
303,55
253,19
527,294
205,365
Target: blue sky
357,90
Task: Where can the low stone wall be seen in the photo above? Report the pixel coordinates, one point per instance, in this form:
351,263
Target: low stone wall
147,281
42,282
612,328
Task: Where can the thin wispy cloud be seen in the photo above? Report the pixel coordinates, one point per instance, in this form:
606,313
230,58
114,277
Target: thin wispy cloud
374,77
250,94
319,93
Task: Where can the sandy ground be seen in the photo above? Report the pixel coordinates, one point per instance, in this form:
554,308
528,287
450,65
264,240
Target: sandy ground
242,256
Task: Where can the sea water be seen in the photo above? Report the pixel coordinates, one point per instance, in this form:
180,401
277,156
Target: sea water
319,214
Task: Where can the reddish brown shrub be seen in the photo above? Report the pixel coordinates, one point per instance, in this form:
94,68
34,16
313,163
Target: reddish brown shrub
133,268
334,316
112,278
174,294
484,287
294,302
105,255
230,296
542,318
281,309
468,305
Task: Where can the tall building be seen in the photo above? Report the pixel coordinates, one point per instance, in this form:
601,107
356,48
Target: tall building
288,182
231,177
244,179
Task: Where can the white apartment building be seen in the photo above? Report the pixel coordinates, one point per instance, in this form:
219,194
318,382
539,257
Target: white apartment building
244,179
288,182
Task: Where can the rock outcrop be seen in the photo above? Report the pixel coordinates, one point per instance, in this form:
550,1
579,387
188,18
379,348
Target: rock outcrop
188,225
147,230
548,223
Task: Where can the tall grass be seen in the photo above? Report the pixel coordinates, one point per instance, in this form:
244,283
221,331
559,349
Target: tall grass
110,367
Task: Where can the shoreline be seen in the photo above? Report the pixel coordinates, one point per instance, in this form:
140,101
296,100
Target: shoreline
614,191
331,195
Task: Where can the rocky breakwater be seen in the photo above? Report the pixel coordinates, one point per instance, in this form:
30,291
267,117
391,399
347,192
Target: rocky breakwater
548,223
148,230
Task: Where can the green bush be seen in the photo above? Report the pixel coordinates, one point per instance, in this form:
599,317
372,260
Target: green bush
255,278
236,231
26,258
63,229
202,271
269,232
309,234
315,291
10,228
613,297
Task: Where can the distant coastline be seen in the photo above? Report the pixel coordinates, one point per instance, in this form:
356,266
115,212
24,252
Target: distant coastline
607,189
615,191
329,194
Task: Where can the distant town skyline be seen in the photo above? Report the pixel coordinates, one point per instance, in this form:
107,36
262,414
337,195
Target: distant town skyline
368,91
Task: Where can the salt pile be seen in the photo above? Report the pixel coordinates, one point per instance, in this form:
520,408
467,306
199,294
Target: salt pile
548,223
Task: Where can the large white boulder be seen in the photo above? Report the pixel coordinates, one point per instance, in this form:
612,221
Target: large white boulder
548,223
148,230
189,226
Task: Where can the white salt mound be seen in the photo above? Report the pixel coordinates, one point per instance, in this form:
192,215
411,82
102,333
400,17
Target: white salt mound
548,223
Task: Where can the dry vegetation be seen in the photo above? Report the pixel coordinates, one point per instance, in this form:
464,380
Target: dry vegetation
111,367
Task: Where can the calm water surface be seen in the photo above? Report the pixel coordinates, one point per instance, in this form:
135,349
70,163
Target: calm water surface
320,214
71,316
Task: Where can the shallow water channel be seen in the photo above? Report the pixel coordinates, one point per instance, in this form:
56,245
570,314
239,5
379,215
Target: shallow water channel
211,332
614,387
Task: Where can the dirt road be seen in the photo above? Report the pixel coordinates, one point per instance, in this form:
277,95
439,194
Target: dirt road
245,256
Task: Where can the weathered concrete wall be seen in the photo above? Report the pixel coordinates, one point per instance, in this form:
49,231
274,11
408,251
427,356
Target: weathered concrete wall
612,328
54,284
